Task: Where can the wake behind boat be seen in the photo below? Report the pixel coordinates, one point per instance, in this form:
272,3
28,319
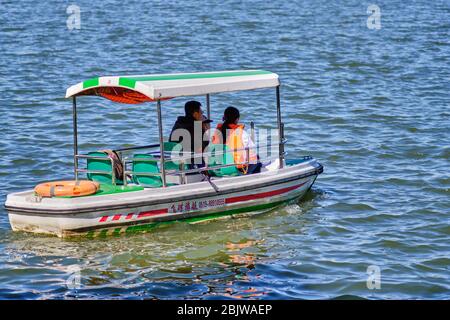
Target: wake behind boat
156,186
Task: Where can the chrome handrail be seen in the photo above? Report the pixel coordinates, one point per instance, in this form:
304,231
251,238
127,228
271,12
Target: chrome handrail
85,156
181,172
138,147
200,155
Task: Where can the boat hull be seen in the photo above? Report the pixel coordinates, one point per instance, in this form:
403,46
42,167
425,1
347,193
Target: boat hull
135,211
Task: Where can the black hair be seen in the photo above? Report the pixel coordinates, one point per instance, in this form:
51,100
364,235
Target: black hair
190,107
229,116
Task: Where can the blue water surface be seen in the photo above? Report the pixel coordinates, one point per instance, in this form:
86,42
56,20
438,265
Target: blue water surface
373,105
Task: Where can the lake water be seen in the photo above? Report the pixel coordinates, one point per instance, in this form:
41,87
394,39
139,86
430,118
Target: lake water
372,105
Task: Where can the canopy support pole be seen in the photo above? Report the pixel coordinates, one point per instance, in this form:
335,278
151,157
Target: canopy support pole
75,137
161,144
208,107
280,129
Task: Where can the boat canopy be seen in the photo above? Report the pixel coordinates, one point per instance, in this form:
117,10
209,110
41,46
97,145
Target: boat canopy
145,88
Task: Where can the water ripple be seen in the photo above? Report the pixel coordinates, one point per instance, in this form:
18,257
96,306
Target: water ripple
372,106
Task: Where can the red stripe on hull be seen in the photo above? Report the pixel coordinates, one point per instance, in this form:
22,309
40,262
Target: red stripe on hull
129,216
262,195
153,213
116,217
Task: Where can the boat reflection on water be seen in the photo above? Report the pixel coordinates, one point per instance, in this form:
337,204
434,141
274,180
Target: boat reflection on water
241,257
223,266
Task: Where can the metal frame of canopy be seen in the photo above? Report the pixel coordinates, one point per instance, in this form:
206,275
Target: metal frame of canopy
280,126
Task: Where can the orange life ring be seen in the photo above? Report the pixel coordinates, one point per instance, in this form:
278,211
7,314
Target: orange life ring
67,188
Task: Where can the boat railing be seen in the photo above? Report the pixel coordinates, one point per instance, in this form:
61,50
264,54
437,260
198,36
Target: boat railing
150,146
120,151
168,156
87,171
190,156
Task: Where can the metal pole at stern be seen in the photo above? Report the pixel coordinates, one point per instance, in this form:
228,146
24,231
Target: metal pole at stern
208,107
280,129
75,137
161,144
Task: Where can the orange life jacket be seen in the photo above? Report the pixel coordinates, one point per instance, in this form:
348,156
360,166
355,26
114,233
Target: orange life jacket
234,141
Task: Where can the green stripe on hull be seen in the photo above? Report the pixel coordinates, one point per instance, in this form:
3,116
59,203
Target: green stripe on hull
152,225
130,82
117,232
146,227
235,211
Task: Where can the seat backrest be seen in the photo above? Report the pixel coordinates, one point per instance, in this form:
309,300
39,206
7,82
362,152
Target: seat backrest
176,147
217,158
146,167
100,165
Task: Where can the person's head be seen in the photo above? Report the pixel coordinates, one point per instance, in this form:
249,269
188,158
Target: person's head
193,109
231,115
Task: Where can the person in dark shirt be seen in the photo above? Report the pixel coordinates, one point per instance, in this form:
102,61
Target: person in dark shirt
190,128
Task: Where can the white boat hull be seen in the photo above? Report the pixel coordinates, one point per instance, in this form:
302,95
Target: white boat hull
134,211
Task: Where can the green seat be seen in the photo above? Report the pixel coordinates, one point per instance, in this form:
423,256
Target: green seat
217,158
169,146
100,165
146,167
175,147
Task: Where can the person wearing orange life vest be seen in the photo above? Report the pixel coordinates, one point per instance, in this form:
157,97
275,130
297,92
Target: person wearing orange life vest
232,133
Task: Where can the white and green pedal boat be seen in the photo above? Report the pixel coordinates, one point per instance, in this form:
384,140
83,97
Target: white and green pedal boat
157,189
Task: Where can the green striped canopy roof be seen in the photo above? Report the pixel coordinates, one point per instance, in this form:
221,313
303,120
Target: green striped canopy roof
161,86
